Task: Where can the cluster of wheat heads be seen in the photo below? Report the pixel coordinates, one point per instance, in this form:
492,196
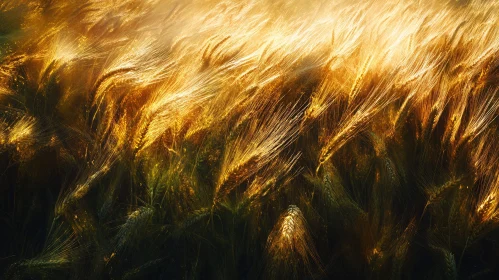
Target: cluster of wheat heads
185,139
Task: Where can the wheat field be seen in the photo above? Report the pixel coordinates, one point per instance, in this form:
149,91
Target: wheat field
259,139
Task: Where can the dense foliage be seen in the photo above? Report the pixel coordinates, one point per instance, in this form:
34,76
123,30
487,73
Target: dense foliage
182,139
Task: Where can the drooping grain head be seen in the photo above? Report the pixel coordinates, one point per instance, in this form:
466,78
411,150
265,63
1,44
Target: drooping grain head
290,247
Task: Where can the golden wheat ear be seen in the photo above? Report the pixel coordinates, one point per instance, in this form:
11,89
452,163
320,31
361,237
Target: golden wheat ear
261,143
267,184
290,248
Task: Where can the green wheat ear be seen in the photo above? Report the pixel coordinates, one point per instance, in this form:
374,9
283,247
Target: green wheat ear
447,262
196,217
143,270
60,253
136,224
